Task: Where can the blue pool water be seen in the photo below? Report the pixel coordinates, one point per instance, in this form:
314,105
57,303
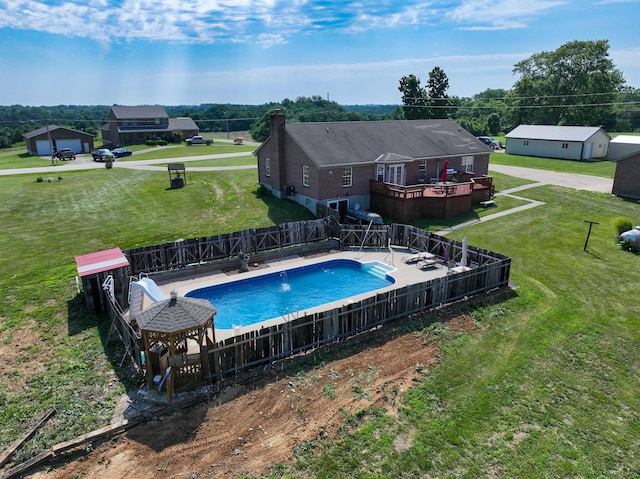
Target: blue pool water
252,300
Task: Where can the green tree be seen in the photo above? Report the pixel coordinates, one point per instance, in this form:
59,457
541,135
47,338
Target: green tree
628,110
576,84
414,98
493,123
438,100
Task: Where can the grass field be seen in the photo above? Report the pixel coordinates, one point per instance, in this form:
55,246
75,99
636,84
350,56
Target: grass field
18,158
550,388
604,168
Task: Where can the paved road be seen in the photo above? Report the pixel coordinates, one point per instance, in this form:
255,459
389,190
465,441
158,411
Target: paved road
545,177
85,162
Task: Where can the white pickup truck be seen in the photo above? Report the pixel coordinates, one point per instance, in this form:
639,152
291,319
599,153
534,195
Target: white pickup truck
198,140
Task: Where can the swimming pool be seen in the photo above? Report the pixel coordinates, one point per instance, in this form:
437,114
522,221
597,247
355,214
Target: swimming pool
285,293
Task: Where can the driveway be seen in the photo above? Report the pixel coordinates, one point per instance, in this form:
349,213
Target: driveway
545,177
85,162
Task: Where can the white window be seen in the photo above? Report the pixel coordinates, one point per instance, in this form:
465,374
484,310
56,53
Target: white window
467,164
347,176
380,173
305,176
422,166
267,166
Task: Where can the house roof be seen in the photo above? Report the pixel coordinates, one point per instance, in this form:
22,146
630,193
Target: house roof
136,112
182,123
174,315
626,139
52,129
360,142
554,133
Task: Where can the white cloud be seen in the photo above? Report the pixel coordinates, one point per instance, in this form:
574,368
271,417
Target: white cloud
500,15
264,22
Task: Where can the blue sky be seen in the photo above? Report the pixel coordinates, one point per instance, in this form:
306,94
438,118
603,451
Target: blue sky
173,52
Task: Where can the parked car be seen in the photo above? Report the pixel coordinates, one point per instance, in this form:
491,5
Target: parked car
198,140
120,152
101,154
487,140
66,154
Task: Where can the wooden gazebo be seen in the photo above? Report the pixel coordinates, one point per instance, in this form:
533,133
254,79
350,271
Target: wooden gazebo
176,334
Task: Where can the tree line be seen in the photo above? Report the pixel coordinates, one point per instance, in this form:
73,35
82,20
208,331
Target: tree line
577,84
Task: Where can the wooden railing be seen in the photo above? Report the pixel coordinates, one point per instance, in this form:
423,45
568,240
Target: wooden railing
266,345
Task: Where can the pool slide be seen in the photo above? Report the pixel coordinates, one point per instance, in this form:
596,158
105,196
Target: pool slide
137,292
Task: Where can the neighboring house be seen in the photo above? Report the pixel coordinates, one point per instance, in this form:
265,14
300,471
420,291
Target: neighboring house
129,125
624,151
563,142
52,138
393,168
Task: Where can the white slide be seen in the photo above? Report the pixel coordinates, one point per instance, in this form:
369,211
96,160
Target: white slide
140,288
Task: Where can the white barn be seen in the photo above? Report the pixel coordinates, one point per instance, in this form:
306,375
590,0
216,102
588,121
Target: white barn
623,145
564,142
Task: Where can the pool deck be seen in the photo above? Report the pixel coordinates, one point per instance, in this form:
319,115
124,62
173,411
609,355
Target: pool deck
403,274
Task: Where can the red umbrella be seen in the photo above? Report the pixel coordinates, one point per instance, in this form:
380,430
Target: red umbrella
443,178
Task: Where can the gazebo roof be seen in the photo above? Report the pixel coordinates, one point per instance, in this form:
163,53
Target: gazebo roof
174,315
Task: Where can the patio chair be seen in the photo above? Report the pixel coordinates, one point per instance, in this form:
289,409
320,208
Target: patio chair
415,257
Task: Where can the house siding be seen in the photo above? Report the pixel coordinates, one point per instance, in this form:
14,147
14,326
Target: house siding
626,181
56,133
595,146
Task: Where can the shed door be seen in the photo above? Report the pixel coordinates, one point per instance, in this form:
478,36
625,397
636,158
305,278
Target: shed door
587,151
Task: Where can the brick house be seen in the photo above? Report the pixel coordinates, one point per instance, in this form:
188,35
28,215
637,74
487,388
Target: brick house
129,125
394,168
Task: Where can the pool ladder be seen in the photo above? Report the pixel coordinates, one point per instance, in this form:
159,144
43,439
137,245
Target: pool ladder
288,314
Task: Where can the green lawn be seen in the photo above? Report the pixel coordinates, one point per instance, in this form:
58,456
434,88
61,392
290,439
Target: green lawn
237,161
53,347
18,158
176,151
603,168
549,388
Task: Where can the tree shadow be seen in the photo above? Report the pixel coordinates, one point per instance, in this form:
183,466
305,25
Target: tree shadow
280,211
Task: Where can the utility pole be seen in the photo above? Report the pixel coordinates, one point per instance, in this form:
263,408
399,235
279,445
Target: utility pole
50,145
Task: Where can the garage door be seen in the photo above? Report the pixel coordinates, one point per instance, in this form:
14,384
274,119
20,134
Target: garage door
43,147
75,145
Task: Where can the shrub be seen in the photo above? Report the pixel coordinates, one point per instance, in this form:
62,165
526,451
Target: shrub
151,142
623,224
162,142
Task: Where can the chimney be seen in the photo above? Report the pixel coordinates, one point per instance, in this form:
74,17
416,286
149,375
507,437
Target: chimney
278,155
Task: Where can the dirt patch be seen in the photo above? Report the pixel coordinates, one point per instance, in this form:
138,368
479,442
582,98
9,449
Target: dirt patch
17,346
262,426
